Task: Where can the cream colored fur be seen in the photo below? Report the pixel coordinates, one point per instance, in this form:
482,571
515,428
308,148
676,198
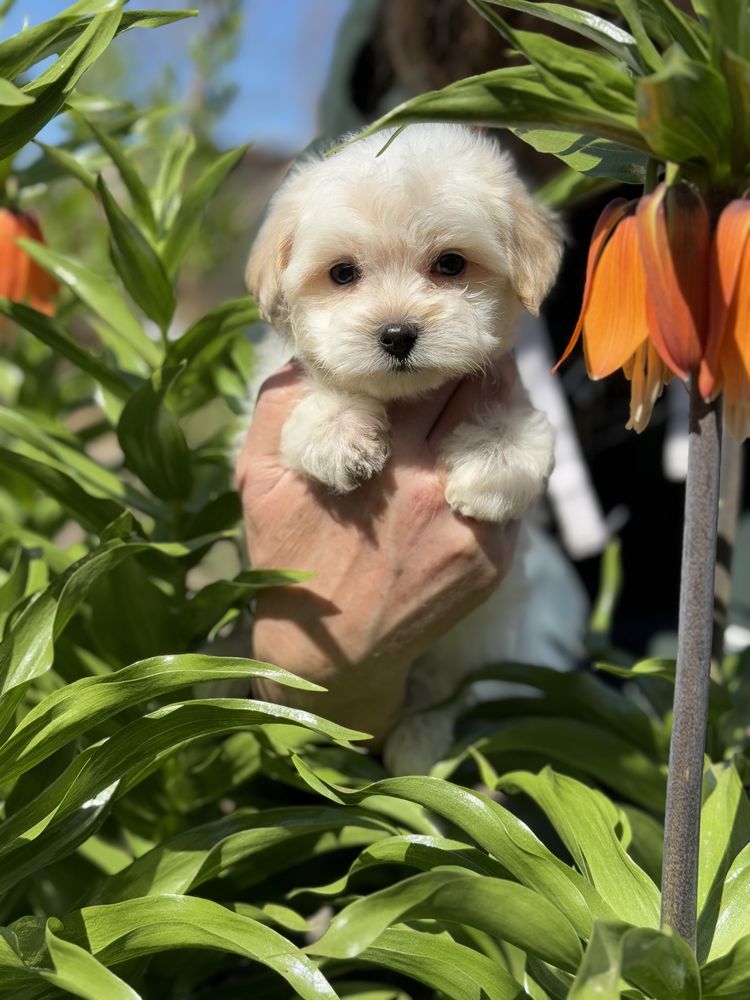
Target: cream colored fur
437,189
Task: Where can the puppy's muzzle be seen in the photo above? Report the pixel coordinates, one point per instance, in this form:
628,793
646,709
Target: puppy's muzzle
398,339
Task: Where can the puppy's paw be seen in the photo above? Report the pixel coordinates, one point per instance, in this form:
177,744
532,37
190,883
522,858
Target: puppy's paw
495,472
343,457
339,441
483,499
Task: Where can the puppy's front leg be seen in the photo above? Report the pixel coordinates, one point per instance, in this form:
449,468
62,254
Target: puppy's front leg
498,464
337,438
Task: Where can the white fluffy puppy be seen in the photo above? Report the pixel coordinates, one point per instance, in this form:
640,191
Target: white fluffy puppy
390,274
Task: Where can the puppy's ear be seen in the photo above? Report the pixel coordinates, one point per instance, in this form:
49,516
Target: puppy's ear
535,248
270,255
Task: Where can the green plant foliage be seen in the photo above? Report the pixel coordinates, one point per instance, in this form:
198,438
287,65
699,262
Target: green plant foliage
672,88
158,840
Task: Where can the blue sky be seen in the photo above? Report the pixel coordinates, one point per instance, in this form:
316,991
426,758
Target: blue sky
284,53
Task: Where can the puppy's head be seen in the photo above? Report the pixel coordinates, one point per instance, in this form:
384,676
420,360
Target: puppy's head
394,273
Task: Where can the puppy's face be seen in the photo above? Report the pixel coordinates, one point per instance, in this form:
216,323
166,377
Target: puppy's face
393,274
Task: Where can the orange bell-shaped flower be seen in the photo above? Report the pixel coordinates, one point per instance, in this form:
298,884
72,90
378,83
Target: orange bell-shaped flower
674,234
21,278
727,359
616,318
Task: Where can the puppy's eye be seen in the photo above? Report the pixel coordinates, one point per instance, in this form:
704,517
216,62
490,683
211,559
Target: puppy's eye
449,265
344,273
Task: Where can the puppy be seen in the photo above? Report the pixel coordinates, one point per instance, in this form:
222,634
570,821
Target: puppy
388,275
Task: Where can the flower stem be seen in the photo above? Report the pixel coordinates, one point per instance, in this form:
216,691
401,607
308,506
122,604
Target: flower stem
682,823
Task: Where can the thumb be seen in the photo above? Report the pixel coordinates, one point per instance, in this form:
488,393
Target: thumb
261,451
493,387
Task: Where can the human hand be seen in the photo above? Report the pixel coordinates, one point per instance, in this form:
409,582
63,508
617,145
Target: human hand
395,567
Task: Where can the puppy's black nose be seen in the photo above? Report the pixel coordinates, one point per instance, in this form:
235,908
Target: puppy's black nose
398,338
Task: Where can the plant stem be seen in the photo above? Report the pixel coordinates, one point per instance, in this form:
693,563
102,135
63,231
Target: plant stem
682,823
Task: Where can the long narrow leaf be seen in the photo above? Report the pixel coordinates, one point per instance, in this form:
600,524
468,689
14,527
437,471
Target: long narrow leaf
137,263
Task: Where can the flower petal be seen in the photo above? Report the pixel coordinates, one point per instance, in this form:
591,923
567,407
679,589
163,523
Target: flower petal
605,224
21,278
616,322
674,233
727,253
734,357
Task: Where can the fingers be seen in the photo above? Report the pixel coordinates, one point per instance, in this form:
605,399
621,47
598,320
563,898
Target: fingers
493,387
412,421
277,397
498,543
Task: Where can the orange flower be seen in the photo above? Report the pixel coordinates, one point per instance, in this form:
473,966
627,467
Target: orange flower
21,278
727,358
616,318
645,302
675,236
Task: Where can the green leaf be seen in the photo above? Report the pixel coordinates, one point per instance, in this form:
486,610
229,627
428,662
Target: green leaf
23,49
12,97
152,440
27,650
92,512
607,35
680,27
729,27
683,111
658,963
213,850
725,831
599,975
137,263
417,851
124,761
79,973
97,292
85,703
26,576
581,695
598,158
728,977
206,338
502,909
495,829
68,457
188,218
725,919
137,190
138,927
736,72
210,604
78,57
456,971
648,52
51,88
586,821
656,666
154,18
51,333
165,195
69,163
570,72
511,97
567,188
47,846
586,749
